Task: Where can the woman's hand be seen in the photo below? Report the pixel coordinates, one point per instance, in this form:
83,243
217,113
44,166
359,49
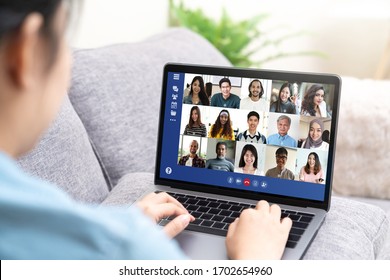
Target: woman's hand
293,99
161,205
258,233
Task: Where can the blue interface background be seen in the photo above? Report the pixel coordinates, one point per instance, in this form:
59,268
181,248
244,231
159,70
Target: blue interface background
169,168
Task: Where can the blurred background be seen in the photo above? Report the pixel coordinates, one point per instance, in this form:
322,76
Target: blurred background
346,37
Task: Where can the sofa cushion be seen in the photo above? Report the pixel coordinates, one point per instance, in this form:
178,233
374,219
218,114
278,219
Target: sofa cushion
351,230
363,138
384,254
116,92
65,157
129,188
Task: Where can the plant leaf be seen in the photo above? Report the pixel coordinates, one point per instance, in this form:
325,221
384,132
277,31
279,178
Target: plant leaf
234,39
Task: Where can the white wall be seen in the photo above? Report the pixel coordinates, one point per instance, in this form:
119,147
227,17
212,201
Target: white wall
352,33
103,22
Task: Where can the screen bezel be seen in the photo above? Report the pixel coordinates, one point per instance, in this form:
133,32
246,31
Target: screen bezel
252,73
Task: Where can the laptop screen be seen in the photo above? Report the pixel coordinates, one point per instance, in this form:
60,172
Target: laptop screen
249,131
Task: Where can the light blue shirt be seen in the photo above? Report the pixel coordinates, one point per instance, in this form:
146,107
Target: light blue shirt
286,140
39,221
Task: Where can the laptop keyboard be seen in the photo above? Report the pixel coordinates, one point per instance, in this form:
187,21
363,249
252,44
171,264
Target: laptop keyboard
215,215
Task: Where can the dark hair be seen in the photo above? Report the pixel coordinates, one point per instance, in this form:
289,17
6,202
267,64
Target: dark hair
252,149
278,102
208,88
253,113
281,151
317,165
197,143
326,136
191,121
224,80
261,85
14,12
202,94
308,99
220,143
226,129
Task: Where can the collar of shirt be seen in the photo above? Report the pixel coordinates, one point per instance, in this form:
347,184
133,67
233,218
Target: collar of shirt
250,135
226,98
282,137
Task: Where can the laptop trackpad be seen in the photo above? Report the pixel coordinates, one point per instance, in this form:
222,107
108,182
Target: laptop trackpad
202,246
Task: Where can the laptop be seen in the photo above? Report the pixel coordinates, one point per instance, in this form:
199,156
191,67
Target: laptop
216,174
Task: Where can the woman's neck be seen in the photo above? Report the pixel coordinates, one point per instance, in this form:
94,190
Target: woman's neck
195,98
248,168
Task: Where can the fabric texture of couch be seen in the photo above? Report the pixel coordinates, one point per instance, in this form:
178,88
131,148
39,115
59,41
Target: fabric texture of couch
363,138
101,148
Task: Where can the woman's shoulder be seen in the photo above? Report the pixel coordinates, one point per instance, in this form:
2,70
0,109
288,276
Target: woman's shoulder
187,99
272,107
323,111
291,105
238,170
324,145
259,172
303,171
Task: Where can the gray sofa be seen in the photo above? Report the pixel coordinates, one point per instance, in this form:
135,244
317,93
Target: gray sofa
101,148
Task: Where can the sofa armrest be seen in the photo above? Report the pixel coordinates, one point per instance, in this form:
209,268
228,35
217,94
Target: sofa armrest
351,230
64,157
129,188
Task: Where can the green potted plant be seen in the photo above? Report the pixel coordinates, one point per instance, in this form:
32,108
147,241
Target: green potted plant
234,39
